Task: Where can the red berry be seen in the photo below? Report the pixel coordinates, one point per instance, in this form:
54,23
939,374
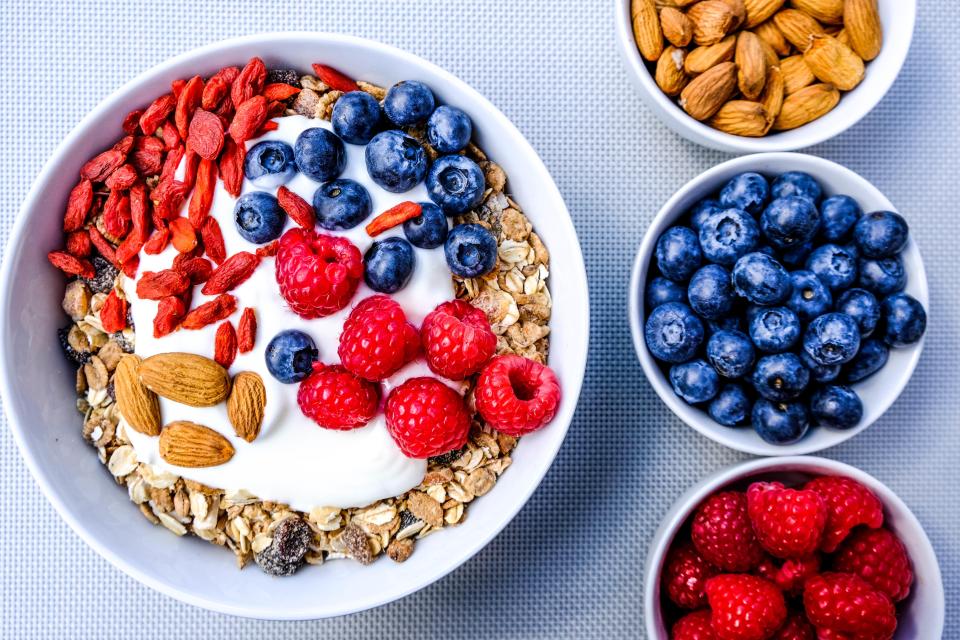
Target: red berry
792,576
317,273
745,607
334,398
847,603
722,534
457,339
849,504
877,556
516,395
795,628
684,576
377,340
426,418
693,626
788,522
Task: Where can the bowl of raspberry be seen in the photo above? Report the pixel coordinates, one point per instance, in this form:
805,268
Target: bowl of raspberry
796,547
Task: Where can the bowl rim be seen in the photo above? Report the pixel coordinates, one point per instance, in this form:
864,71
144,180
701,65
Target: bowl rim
685,504
265,41
704,424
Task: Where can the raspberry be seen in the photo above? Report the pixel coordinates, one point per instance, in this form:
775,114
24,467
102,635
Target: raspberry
877,556
684,576
788,523
745,607
795,628
792,576
849,504
721,532
693,626
516,395
457,340
426,418
334,398
377,340
317,273
846,603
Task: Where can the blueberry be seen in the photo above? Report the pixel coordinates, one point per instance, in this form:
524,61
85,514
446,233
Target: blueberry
836,406
710,292
833,338
727,235
731,406
449,129
429,229
388,265
747,191
820,372
871,358
780,377
904,320
456,184
661,291
395,161
809,298
797,254
881,234
341,204
882,277
319,154
290,356
796,183
408,102
673,332
775,329
761,279
678,253
258,217
694,381
731,353
780,422
356,117
862,306
835,266
838,214
471,250
703,210
269,164
752,311
790,221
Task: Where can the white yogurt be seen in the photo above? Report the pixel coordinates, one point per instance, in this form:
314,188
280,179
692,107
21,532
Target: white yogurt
293,460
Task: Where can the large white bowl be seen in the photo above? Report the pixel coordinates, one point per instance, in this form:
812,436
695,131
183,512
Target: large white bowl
897,16
920,616
37,381
878,392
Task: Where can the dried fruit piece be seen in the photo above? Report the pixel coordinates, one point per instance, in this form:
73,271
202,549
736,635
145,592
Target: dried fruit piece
170,312
195,268
395,215
188,444
147,155
834,62
704,96
670,76
116,214
206,134
703,59
209,312
187,103
773,93
280,91
78,244
712,21
299,210
676,26
217,87
826,11
334,79
169,134
157,242
123,177
646,29
741,118
249,82
760,10
231,166
250,115
213,240
751,65
247,331
139,406
806,105
157,112
797,27
160,284
104,248
113,313
182,235
186,378
78,205
796,74
246,404
225,345
231,273
203,190
103,164
131,122
71,265
861,24
268,250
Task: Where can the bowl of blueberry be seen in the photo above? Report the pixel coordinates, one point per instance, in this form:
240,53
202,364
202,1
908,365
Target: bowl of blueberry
778,304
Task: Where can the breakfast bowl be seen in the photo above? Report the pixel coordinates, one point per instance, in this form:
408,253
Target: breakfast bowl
878,392
41,400
920,614
897,20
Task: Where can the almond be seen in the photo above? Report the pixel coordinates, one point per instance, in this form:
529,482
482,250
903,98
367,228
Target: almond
773,93
861,21
704,96
245,405
739,9
827,11
139,406
769,33
741,118
806,105
759,10
712,21
797,27
843,37
677,28
646,29
188,444
703,58
751,65
796,74
185,378
834,62
769,55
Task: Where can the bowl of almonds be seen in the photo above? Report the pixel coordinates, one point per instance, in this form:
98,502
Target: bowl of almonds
763,75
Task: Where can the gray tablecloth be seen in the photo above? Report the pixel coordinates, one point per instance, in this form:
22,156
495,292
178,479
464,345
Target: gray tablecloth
570,565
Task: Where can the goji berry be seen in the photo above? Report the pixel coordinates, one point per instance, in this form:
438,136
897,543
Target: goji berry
131,123
268,250
103,246
176,86
279,91
196,268
78,205
209,312
202,197
113,313
275,109
187,103
170,135
249,82
171,163
191,161
214,92
157,112
231,166
170,312
123,177
169,197
147,156
130,247
140,210
102,165
213,240
299,210
182,235
250,115
229,74
269,125
71,265
157,242
225,345
206,134
78,243
124,145
397,214
247,330
116,214
154,285
231,273
130,267
334,79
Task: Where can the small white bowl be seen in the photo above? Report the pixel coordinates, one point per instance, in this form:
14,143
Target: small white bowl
39,398
878,392
897,17
920,616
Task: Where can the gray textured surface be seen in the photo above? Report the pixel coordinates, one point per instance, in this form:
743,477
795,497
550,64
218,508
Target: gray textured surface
570,564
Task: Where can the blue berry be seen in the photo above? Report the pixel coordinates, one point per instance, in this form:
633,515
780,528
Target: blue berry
470,250
836,406
703,210
661,291
862,306
449,129
904,320
882,277
319,154
835,266
290,356
341,204
673,332
796,183
269,164
731,406
820,372
797,254
710,292
728,235
731,353
780,422
258,217
780,377
694,381
871,358
395,161
761,279
456,184
408,102
833,338
429,229
790,221
356,117
747,191
388,265
809,298
678,253
881,234
838,214
775,329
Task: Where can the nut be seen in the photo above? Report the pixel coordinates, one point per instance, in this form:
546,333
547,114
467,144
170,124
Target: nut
796,74
797,27
139,406
826,11
712,21
751,65
834,62
806,105
742,118
670,76
705,58
188,444
245,405
186,378
677,28
704,96
769,33
861,23
759,10
646,29
773,93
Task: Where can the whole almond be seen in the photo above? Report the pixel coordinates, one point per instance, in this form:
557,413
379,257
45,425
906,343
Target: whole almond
646,29
741,118
806,105
186,378
759,10
139,406
246,404
769,33
712,21
739,9
704,96
769,55
751,65
188,444
861,21
796,74
797,27
834,62
826,11
773,93
676,26
703,58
